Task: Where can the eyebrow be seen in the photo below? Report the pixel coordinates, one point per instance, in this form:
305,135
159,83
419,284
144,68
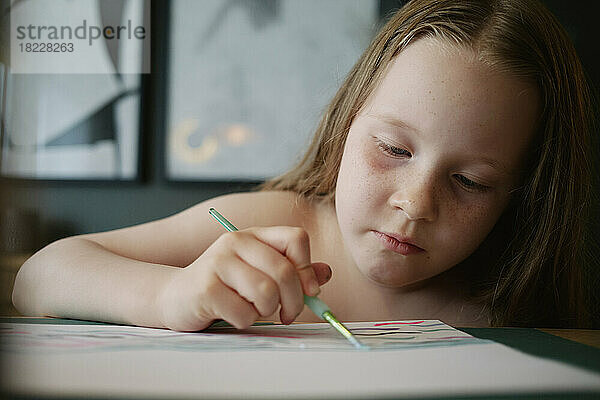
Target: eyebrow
406,126
496,165
396,122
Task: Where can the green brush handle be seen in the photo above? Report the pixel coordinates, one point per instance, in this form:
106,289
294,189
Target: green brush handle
316,305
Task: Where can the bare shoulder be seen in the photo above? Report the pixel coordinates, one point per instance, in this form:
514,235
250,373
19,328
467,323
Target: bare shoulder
244,210
265,208
179,239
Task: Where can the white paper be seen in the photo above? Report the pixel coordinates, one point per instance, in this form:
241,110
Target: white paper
408,358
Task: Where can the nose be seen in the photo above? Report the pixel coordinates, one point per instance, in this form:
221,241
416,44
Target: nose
416,197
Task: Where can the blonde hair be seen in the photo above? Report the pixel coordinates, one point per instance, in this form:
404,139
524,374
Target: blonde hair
536,279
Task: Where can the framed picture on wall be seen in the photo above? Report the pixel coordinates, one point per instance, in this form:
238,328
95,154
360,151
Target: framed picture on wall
76,123
248,81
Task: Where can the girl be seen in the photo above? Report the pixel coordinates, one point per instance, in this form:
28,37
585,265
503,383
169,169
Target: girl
448,179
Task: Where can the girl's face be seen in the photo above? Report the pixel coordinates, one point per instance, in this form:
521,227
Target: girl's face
430,159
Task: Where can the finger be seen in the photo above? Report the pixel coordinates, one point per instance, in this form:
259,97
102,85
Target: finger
278,267
252,284
308,280
322,272
229,306
292,242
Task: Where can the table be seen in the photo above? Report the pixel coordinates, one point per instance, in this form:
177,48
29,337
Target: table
547,344
591,337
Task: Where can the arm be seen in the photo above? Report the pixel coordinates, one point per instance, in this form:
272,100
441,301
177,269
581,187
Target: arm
79,278
121,276
112,276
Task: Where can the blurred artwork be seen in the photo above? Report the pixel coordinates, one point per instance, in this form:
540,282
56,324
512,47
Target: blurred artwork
82,126
249,80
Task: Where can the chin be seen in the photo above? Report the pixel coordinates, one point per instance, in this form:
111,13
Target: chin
382,277
407,277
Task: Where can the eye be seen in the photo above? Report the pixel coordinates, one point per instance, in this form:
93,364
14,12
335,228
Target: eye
393,150
471,185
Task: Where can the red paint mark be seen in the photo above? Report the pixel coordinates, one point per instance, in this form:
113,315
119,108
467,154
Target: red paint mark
398,323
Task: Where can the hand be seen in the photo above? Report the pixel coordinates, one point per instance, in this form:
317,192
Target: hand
241,277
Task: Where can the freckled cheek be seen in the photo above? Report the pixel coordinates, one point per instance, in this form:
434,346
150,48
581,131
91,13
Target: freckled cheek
371,167
375,171
361,181
471,224
373,160
354,187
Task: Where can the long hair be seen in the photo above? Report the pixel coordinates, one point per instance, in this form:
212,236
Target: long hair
533,257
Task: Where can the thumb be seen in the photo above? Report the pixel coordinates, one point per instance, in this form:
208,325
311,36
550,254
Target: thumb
322,272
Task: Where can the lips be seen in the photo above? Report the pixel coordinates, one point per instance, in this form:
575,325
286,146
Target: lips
397,243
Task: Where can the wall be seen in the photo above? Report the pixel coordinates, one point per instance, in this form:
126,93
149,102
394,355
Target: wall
66,208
